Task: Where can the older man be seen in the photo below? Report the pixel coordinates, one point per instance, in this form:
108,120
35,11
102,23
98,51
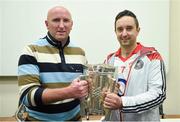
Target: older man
48,72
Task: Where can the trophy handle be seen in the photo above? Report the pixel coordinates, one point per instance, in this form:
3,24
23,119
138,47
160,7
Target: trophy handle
112,89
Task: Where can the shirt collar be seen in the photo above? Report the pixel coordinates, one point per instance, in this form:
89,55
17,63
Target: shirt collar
55,42
138,48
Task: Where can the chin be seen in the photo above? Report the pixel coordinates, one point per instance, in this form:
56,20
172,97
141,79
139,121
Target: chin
125,43
61,37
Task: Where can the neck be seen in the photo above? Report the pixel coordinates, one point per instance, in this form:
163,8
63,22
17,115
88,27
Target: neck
126,51
57,42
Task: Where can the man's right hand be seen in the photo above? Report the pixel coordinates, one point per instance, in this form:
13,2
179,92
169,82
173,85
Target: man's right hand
79,88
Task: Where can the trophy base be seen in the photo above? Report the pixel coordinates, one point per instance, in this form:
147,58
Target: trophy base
93,117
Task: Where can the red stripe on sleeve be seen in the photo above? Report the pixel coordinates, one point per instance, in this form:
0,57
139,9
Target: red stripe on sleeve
154,56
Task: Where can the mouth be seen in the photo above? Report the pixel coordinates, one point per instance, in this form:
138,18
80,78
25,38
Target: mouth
61,32
125,41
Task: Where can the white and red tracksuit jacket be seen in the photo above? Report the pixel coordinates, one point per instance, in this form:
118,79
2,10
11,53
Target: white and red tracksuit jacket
145,87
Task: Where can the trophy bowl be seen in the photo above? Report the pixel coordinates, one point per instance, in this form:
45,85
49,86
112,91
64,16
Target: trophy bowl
102,80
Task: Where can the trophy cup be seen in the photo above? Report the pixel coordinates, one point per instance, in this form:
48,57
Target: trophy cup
102,79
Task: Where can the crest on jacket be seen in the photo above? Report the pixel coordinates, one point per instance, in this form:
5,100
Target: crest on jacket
139,64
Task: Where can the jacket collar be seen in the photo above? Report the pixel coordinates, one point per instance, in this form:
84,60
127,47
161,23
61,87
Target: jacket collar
55,42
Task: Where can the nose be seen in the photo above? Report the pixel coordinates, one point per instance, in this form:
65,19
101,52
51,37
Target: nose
124,32
61,24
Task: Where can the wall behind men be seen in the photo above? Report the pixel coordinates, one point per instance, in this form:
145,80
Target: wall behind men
22,22
9,89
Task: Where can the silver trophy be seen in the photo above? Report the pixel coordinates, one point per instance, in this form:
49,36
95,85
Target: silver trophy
102,79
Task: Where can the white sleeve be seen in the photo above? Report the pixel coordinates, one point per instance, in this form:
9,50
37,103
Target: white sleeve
154,96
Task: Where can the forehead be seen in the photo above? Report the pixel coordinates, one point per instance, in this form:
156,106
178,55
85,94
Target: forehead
125,21
59,13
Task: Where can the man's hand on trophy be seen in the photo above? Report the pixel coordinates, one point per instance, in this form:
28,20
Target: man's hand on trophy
79,88
112,101
89,79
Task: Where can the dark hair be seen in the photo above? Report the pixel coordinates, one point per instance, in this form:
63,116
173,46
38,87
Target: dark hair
126,13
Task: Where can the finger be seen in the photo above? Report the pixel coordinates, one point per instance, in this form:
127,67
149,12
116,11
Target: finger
107,105
110,98
76,80
117,88
84,93
83,82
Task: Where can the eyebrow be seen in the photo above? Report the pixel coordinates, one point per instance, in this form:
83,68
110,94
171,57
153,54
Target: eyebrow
55,19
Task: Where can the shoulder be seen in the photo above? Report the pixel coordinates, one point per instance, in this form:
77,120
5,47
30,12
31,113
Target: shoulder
75,49
110,55
40,42
154,56
39,45
151,53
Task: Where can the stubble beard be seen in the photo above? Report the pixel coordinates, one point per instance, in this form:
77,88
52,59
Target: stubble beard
125,42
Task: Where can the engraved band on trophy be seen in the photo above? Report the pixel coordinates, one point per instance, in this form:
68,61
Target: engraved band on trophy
102,79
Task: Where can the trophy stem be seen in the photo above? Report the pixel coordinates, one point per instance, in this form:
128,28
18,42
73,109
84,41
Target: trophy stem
108,116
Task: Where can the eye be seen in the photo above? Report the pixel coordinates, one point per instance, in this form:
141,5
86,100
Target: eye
66,20
129,28
119,29
56,20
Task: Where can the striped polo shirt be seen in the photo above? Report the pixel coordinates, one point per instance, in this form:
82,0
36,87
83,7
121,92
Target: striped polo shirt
47,64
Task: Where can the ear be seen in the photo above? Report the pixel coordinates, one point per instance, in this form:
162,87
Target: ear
138,29
46,23
71,25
